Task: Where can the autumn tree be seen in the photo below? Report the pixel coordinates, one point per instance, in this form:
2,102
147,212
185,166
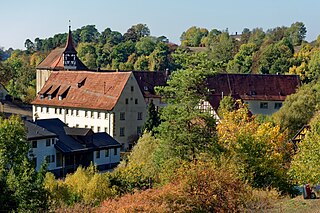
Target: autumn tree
193,36
305,164
259,151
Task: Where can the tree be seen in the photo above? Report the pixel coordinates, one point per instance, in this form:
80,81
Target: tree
145,46
153,119
122,51
142,63
21,187
158,59
257,36
185,132
299,108
259,152
297,32
242,61
193,36
89,33
87,54
136,32
28,44
305,163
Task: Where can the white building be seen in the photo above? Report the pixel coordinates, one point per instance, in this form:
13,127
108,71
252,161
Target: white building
65,148
108,102
264,94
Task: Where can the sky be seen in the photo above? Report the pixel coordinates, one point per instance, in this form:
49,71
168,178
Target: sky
21,19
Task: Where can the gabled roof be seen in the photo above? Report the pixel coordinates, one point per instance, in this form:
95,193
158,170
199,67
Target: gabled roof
69,144
54,61
147,80
78,131
251,87
35,132
100,90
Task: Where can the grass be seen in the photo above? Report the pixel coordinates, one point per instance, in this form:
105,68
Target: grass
297,205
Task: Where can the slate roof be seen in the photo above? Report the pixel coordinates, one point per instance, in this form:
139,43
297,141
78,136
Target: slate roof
84,89
251,87
69,144
35,132
148,80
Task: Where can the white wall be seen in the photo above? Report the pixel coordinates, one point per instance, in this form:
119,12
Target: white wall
112,158
131,122
42,151
255,108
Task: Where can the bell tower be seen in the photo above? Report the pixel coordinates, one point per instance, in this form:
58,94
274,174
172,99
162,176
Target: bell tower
70,53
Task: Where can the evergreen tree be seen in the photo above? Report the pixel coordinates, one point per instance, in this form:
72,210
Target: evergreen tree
153,119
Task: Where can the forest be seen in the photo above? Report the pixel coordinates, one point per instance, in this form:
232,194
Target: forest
185,161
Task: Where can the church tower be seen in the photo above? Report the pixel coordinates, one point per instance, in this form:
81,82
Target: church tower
57,60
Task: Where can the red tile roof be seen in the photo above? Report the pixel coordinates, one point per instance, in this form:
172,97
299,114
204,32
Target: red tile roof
251,87
99,90
147,80
53,61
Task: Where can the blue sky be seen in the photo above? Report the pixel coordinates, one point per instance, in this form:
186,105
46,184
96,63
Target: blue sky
21,19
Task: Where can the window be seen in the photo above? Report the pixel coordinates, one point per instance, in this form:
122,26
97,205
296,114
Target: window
77,112
99,115
41,96
139,115
121,131
53,141
98,129
127,101
115,151
92,128
106,129
97,154
67,111
71,111
41,109
53,158
60,111
48,142
136,101
47,110
263,105
34,144
85,113
55,111
122,116
60,97
106,153
49,97
92,114
145,88
85,126
132,88
139,130
277,105
77,125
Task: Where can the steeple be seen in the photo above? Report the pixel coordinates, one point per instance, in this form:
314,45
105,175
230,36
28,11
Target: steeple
69,45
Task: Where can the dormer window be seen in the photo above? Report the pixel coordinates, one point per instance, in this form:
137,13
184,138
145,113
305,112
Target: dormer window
60,98
49,97
41,96
145,88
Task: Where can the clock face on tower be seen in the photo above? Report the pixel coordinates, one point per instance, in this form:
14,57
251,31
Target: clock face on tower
69,61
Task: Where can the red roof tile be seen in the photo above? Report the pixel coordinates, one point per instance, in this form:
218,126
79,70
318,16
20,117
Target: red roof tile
100,90
53,61
251,87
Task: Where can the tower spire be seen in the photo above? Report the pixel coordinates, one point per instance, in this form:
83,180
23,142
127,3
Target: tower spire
69,45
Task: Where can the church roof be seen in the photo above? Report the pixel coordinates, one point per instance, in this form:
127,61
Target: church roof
54,61
251,87
83,89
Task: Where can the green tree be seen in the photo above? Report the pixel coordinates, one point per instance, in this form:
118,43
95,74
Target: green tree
89,33
158,59
145,46
87,54
242,61
299,108
136,32
185,132
142,63
21,186
297,32
153,119
193,36
305,164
